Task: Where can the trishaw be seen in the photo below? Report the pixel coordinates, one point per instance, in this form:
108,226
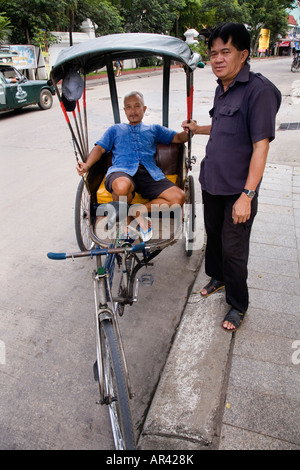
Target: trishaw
93,204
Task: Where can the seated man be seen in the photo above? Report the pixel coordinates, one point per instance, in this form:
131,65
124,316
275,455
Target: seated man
133,167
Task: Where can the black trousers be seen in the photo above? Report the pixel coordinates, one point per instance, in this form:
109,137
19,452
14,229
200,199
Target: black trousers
227,249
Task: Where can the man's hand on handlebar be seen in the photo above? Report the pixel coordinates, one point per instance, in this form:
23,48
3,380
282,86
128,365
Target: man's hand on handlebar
82,168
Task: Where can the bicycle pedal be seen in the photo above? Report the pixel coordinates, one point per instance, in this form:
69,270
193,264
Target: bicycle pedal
146,279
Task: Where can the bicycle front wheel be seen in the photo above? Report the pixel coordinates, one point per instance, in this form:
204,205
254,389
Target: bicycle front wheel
116,389
82,208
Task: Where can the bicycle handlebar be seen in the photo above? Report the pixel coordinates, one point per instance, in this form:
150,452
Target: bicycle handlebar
98,252
57,255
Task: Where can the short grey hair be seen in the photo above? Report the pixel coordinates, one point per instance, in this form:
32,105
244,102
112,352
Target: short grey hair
135,93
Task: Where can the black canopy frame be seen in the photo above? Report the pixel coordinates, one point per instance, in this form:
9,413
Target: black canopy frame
101,52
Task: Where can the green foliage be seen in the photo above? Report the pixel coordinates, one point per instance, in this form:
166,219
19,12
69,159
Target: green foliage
41,37
151,16
29,19
102,13
202,49
27,16
269,14
256,14
216,12
5,28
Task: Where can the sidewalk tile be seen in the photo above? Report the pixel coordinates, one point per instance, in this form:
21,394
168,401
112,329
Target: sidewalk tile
276,252
275,301
273,238
263,412
268,282
233,438
272,323
272,265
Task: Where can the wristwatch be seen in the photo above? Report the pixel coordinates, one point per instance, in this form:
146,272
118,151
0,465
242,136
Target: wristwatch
250,193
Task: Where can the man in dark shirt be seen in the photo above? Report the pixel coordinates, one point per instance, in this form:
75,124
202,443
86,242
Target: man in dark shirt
243,125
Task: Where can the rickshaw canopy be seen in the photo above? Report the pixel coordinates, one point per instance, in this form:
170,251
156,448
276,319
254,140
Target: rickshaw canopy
100,52
93,54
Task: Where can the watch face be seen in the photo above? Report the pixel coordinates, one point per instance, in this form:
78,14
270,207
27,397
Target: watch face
249,192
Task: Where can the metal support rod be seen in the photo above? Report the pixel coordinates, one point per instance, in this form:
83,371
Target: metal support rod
81,130
190,93
166,90
113,89
85,115
79,134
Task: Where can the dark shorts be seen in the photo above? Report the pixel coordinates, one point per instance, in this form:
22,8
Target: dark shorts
143,183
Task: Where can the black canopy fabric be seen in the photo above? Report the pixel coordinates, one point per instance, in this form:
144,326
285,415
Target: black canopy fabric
94,54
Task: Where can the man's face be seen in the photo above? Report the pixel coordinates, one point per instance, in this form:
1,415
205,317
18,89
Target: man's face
226,60
134,109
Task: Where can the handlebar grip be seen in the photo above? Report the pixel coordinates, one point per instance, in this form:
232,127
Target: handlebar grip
138,247
56,255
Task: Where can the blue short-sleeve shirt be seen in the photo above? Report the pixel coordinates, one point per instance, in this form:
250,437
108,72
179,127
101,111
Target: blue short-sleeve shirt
134,145
242,115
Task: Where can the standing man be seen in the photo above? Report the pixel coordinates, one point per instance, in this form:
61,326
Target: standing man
243,125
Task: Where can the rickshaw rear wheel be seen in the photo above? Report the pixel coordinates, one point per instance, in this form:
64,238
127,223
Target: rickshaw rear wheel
46,99
190,216
82,227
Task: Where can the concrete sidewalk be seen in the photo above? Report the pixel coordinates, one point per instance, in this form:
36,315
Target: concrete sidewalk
240,391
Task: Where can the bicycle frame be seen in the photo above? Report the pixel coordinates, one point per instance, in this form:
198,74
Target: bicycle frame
103,297
106,303
106,310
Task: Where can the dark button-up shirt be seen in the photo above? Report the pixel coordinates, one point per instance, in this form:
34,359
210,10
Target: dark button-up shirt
242,115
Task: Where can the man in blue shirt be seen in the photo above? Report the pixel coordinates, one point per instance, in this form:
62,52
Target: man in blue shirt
243,125
133,146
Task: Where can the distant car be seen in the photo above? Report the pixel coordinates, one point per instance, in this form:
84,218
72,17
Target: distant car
16,91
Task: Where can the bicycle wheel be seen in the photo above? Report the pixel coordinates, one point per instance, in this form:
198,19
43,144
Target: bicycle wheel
115,389
82,231
294,67
189,217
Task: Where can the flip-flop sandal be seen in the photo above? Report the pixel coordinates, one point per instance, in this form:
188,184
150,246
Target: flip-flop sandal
212,287
235,317
147,235
131,235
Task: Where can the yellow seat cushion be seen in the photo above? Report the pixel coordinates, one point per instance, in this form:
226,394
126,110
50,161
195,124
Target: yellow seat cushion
103,196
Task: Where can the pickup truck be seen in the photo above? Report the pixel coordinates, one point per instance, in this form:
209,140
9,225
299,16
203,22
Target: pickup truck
16,91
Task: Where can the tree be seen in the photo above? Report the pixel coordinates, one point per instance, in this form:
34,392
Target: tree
268,14
102,13
190,17
255,14
29,16
215,12
5,28
151,16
